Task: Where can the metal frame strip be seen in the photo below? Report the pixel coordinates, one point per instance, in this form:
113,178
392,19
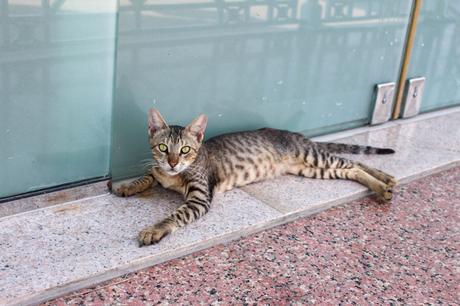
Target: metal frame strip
416,5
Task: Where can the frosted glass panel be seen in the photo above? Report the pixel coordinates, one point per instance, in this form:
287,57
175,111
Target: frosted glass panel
436,53
306,66
56,79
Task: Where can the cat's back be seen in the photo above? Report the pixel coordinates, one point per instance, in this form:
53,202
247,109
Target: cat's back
254,140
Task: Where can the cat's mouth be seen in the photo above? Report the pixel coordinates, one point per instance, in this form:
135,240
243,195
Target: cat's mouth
172,172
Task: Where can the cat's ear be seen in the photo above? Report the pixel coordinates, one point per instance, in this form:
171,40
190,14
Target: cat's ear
156,121
197,127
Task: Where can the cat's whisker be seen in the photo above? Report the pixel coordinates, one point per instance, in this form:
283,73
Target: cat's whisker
146,160
148,163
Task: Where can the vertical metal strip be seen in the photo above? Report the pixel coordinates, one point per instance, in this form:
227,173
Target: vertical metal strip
417,4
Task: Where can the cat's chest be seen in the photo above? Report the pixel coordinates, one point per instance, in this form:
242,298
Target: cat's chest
175,183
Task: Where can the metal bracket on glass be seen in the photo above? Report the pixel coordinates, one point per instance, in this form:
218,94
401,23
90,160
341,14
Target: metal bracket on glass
383,102
413,97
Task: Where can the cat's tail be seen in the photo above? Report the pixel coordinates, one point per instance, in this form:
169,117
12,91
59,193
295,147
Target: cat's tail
353,149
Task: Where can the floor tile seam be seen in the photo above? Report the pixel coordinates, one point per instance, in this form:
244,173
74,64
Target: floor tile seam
275,207
39,209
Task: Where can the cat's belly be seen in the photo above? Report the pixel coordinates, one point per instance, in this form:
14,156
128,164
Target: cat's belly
248,175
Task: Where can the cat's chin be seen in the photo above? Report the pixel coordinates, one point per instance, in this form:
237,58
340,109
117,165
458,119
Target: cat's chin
172,172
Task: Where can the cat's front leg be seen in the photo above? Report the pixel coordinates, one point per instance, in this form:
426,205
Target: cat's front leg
137,186
197,203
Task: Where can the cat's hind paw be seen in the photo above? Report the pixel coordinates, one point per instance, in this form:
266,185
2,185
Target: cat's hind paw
392,181
387,193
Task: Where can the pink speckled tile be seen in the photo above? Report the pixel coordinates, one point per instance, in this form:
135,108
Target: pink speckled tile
365,252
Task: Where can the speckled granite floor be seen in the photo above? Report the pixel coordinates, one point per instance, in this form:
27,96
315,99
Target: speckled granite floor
406,252
58,248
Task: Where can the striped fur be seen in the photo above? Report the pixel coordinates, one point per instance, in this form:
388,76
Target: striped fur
237,159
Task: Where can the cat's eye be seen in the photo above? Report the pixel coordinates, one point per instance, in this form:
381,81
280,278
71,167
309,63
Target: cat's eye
185,149
163,147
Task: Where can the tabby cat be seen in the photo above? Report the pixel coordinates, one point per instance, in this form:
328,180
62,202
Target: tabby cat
182,162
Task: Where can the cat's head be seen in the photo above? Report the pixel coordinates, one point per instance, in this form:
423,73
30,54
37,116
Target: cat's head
175,148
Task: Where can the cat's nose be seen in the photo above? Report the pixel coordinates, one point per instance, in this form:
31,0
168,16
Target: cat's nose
173,162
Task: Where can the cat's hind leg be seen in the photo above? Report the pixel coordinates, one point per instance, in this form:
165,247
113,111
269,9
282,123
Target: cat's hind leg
337,162
379,174
137,186
324,159
354,173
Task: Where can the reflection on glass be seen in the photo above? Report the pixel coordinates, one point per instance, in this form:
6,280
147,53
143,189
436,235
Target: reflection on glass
56,75
294,64
436,53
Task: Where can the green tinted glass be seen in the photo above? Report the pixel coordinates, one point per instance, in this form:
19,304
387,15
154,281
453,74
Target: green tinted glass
56,76
307,66
436,53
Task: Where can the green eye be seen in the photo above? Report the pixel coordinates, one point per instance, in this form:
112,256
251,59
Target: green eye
163,147
185,149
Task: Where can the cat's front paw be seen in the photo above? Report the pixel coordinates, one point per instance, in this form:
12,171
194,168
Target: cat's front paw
151,235
109,185
122,190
